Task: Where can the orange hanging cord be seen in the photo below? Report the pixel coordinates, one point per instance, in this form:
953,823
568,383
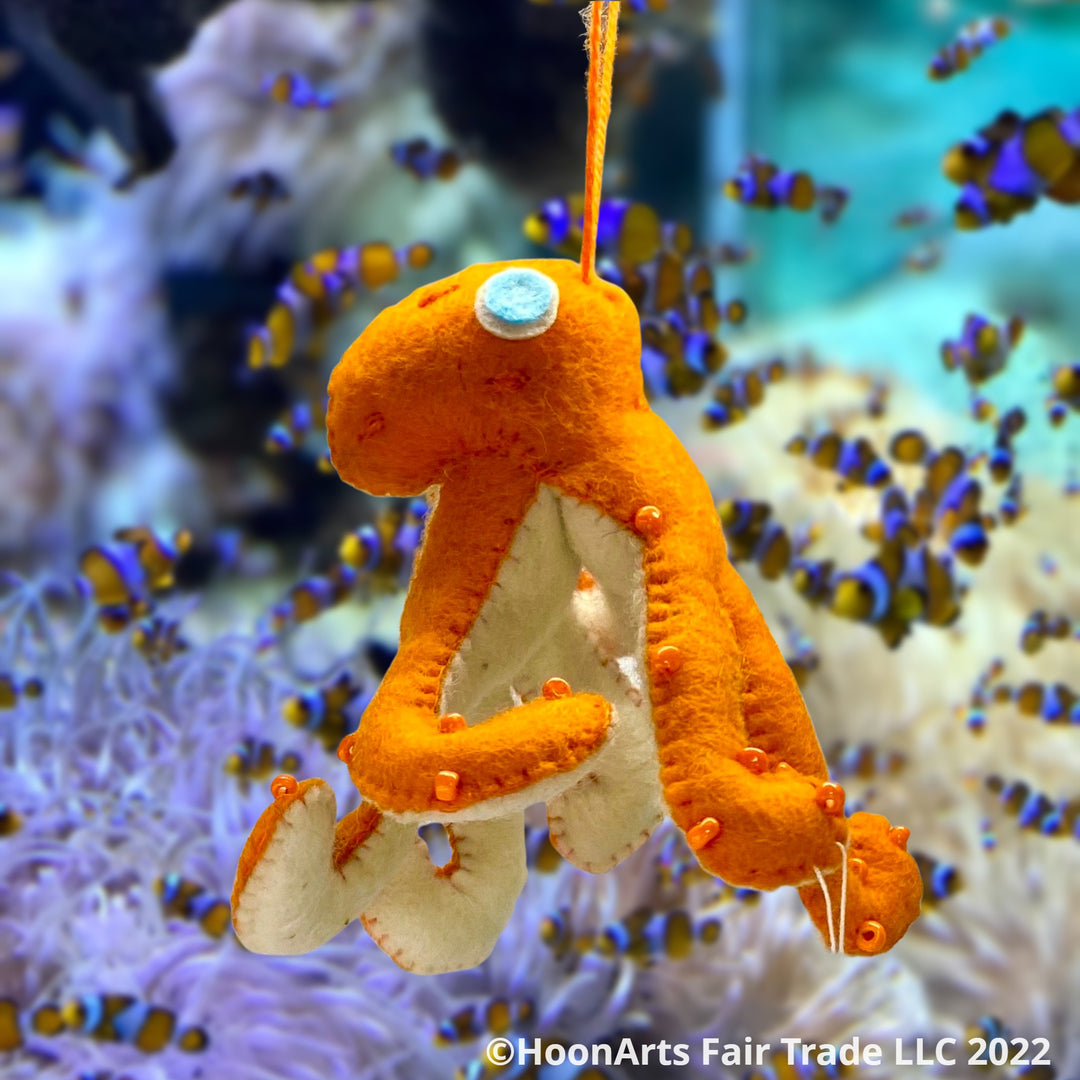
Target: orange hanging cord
602,20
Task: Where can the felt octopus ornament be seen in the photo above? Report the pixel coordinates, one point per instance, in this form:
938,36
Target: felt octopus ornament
573,635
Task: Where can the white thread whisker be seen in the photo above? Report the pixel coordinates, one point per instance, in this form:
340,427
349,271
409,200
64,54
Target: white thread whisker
828,908
843,892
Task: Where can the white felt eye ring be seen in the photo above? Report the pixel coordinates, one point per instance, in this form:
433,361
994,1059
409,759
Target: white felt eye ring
517,303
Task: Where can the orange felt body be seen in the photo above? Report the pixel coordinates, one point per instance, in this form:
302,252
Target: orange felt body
428,398
515,391
567,409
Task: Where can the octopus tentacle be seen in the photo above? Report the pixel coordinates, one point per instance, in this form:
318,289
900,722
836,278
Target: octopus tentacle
715,674
303,875
448,918
399,749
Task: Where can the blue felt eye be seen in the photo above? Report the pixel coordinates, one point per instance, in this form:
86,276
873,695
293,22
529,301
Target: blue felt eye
517,303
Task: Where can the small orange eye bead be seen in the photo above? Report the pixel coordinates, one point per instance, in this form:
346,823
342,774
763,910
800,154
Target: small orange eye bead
284,785
453,721
757,761
858,868
870,937
830,797
704,832
648,521
784,767
899,836
345,748
665,661
446,786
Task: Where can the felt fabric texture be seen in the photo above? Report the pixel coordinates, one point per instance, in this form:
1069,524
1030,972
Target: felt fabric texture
433,919
884,887
547,459
303,875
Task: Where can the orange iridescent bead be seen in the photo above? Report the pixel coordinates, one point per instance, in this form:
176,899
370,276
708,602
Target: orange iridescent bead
830,797
446,786
648,521
284,785
666,660
555,688
870,937
704,832
757,761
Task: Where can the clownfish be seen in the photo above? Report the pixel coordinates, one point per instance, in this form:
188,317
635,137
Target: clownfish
292,88
308,599
1065,395
760,183
1034,810
812,579
863,760
118,1018
741,391
289,431
972,40
385,549
1055,703
122,576
330,712
496,1016
855,460
10,821
751,535
425,161
1002,456
11,691
183,899
540,853
675,863
1011,507
318,287
909,447
982,349
677,361
1039,627
252,759
645,935
629,233
1011,163
262,187
557,934
897,587
893,522
940,879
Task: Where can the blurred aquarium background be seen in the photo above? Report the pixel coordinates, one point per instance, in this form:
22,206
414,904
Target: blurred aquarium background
202,202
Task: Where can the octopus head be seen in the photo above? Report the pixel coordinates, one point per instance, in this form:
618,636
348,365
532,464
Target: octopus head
883,890
515,358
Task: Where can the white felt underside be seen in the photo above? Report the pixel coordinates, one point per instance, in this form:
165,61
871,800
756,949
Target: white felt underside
430,923
534,626
295,899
